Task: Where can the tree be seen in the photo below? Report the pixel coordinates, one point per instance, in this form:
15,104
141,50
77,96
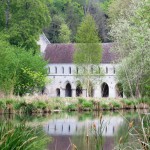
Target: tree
23,21
63,11
117,9
64,36
20,71
53,30
131,34
87,56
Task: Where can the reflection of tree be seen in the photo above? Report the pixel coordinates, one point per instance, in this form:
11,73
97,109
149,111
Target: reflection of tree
84,116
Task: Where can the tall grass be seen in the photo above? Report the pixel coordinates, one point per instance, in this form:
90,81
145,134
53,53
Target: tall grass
21,137
137,135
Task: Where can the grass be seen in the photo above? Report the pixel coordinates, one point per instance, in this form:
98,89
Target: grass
39,104
21,137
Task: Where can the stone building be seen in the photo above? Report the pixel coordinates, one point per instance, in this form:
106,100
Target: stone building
63,81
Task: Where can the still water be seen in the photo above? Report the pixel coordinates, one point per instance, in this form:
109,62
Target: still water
84,130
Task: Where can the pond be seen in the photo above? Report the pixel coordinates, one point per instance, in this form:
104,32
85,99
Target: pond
84,130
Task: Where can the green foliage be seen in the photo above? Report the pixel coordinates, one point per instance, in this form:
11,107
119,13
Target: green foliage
87,104
144,100
53,31
20,105
24,21
104,105
2,104
88,53
116,9
21,137
40,104
20,71
87,31
128,102
106,4
115,104
132,38
64,36
81,100
64,11
72,107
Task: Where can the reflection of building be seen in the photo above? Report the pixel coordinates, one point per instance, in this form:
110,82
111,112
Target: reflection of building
71,126
61,71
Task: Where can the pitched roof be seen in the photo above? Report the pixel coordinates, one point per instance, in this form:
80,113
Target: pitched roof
63,53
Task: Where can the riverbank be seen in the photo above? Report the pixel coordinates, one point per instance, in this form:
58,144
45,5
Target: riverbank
44,104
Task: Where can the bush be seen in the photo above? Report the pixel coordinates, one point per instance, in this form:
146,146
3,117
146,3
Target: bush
19,105
30,108
144,100
39,105
104,106
87,104
128,102
81,100
116,104
2,104
72,107
9,101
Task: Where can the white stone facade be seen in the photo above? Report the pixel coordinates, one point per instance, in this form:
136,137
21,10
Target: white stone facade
60,76
61,72
43,42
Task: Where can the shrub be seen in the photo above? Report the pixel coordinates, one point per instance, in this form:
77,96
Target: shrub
9,101
144,100
30,108
116,104
104,106
19,105
72,107
81,100
39,104
87,104
2,104
128,102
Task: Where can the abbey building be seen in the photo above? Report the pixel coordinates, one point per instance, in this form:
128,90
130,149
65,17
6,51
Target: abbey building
61,72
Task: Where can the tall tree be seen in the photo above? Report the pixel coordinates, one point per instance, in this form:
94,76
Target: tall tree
87,56
53,31
65,32
24,21
131,34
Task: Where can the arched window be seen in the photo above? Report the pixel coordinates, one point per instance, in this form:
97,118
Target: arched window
55,69
69,70
58,92
63,70
106,70
78,89
105,90
68,90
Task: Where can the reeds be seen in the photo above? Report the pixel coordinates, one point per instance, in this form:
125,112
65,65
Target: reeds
21,137
29,105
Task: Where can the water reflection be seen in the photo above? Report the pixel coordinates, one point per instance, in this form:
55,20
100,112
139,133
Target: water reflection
71,125
68,128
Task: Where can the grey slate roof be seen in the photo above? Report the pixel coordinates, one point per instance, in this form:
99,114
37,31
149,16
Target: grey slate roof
63,53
